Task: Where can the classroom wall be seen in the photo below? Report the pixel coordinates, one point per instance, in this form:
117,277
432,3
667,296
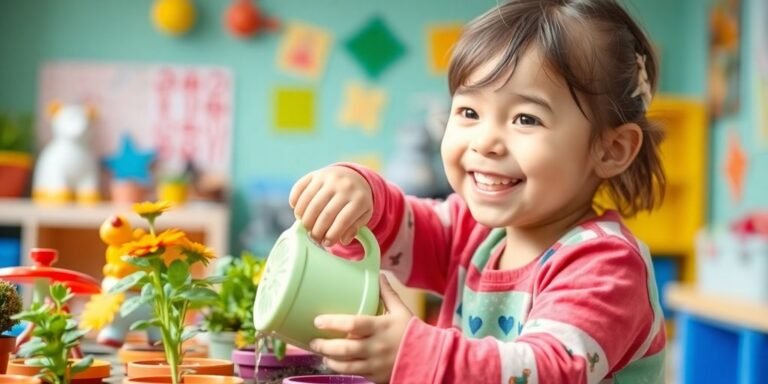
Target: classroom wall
34,31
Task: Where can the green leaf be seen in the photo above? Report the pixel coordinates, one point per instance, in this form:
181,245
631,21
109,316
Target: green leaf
279,348
74,336
139,262
143,324
38,362
127,282
71,324
148,292
200,295
81,365
132,304
214,279
189,333
57,325
32,347
178,273
60,293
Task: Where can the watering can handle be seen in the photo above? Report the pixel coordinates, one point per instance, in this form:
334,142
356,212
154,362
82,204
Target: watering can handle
372,254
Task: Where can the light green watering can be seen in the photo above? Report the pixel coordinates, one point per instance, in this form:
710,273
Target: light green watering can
302,280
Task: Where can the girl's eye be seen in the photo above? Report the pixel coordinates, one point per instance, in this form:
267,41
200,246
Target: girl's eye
468,113
524,119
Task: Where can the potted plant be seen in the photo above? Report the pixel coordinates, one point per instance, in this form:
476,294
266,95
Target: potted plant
231,313
173,187
15,158
55,334
10,305
268,359
164,260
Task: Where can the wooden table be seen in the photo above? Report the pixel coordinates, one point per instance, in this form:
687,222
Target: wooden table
722,339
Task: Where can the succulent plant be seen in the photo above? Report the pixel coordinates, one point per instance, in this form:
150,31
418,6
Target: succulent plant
10,304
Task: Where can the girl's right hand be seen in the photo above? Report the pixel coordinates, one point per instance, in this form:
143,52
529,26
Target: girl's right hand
332,203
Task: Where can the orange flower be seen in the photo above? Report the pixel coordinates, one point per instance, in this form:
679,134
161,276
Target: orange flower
149,244
196,249
150,210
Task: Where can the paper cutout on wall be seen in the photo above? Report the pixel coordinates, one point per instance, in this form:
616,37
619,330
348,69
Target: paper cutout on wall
294,110
369,160
304,50
183,113
441,39
130,163
759,25
736,163
375,47
363,107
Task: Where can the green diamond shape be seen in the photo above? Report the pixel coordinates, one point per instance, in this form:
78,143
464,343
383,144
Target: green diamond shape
375,47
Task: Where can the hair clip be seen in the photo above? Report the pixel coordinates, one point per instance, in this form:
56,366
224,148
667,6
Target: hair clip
643,88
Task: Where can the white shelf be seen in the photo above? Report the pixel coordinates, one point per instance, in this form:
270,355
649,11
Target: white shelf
210,219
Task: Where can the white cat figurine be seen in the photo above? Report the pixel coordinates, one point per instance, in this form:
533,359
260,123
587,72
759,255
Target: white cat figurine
67,169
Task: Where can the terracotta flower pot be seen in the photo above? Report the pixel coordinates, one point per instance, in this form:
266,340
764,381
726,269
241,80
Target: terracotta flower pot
296,362
18,379
127,192
95,374
142,351
200,366
186,379
327,379
7,345
15,168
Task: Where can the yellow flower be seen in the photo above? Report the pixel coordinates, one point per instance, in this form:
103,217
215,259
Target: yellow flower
200,250
240,341
258,271
150,244
150,210
100,310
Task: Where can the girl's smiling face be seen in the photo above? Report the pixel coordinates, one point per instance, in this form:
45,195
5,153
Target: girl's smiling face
518,150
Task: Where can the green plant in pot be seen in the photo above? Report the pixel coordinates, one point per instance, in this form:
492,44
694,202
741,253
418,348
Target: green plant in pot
164,260
10,305
230,319
55,334
15,157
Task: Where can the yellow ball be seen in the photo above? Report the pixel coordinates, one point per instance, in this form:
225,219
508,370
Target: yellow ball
174,17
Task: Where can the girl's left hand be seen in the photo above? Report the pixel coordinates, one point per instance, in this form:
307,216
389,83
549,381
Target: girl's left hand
372,342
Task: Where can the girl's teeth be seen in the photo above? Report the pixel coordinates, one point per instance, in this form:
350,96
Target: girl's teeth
485,179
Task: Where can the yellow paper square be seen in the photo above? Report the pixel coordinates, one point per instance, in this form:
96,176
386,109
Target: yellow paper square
362,107
441,39
304,50
294,110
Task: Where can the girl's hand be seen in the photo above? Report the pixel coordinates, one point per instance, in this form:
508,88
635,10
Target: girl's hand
372,342
332,203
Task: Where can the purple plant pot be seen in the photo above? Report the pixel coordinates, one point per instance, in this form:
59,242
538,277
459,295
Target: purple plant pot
296,361
327,379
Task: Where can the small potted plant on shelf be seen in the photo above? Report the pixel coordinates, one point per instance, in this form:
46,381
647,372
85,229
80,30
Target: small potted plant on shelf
231,313
164,261
10,305
55,335
15,158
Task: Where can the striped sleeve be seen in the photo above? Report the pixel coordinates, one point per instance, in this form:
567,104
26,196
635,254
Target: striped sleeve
399,219
592,312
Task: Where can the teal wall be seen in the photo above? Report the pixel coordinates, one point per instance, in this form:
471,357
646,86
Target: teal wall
33,31
745,123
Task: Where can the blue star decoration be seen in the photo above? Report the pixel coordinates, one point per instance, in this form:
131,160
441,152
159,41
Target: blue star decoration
129,163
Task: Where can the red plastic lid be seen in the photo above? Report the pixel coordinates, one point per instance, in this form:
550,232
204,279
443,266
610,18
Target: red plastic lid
79,283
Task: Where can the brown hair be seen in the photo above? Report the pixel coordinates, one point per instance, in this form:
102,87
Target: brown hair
592,45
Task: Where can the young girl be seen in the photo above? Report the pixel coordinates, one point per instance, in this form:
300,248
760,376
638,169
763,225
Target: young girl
538,285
